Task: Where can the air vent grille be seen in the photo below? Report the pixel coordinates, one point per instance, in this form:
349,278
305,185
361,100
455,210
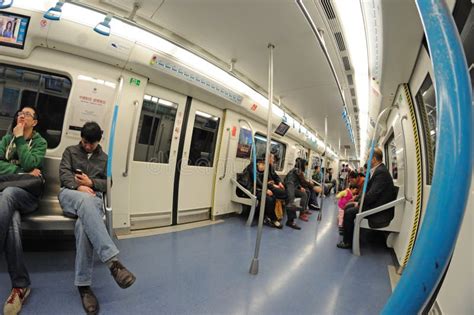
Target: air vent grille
340,41
348,147
356,109
349,79
327,6
353,92
347,65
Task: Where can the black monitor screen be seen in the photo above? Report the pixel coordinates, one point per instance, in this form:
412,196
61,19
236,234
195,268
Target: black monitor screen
282,129
13,28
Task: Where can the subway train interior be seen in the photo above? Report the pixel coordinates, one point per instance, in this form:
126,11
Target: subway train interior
191,95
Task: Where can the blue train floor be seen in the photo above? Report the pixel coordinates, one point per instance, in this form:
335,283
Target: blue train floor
205,271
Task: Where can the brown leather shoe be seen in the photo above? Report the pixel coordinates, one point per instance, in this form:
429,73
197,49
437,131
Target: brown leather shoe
122,276
89,301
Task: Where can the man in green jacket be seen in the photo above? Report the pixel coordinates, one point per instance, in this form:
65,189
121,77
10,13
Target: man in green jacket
22,151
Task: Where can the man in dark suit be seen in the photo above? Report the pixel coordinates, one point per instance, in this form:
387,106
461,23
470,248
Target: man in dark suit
380,190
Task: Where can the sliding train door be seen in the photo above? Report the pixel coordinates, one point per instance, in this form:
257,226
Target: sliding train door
152,170
198,165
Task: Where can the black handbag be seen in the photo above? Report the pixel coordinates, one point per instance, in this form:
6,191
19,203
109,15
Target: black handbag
30,183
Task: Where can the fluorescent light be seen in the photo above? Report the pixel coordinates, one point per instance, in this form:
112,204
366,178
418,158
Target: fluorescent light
154,99
205,115
351,18
165,102
432,132
147,97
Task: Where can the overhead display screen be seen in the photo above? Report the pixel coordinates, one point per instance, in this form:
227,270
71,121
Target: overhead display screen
282,129
13,29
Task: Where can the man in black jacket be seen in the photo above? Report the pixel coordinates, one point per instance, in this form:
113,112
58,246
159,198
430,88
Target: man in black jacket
83,180
380,190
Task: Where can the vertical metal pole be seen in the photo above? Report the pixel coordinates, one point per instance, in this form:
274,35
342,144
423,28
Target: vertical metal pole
371,154
108,203
254,265
320,214
453,164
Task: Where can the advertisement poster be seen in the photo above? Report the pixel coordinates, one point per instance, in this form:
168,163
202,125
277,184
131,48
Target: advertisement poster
245,144
92,99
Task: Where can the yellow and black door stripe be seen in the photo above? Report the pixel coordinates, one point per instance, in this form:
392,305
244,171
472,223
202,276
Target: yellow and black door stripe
419,177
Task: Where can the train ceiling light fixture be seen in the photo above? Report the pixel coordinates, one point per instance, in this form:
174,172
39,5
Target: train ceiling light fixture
54,13
103,28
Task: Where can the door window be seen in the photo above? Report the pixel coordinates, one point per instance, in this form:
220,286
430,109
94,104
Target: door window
203,141
277,148
426,102
391,157
155,130
47,92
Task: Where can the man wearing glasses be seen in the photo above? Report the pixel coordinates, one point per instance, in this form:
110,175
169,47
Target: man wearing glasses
21,151
83,180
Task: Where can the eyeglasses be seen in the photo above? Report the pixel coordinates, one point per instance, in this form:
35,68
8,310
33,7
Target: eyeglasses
26,114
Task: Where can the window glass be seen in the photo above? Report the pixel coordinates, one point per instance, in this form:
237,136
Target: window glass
155,130
391,157
277,148
47,92
203,141
426,102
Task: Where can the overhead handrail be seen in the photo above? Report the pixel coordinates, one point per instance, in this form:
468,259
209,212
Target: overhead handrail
127,161
453,164
363,215
405,172
226,155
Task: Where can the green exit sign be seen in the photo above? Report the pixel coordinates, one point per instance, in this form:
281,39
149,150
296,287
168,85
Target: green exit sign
134,81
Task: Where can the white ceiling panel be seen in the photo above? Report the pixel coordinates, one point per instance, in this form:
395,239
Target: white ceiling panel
241,30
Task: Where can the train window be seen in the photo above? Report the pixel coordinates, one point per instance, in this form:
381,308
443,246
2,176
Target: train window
391,156
204,139
426,102
277,148
21,87
155,130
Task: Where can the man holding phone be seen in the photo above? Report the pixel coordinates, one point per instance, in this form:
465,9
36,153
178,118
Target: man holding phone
83,180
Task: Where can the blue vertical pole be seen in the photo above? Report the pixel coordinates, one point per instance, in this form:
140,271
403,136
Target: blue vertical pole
452,169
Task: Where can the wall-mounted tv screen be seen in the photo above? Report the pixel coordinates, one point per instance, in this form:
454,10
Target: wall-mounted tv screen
282,129
13,29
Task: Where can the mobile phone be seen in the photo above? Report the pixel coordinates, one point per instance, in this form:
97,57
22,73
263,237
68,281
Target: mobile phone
78,171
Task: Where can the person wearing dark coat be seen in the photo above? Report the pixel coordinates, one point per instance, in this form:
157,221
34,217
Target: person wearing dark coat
380,190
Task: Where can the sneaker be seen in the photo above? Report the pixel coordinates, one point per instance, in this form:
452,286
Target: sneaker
88,299
15,301
122,276
344,245
268,222
314,206
277,224
293,225
304,217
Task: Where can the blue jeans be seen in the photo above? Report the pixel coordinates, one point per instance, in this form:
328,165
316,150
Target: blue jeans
13,202
91,233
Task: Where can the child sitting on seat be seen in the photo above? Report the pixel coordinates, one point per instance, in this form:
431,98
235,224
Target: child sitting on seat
344,197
